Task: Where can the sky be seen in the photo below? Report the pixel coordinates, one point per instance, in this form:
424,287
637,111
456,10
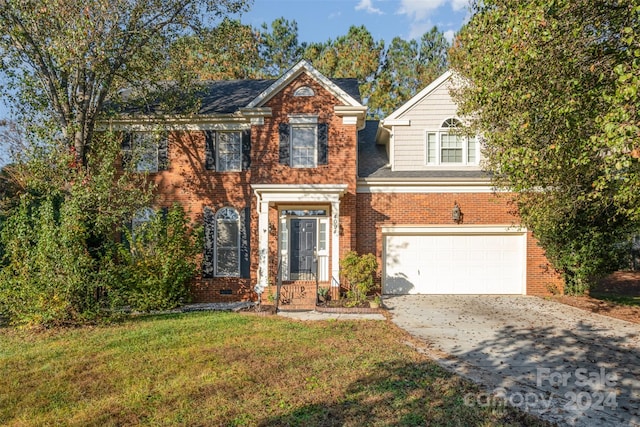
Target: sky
320,20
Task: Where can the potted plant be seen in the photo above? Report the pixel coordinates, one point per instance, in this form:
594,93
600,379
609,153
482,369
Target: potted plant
323,294
376,302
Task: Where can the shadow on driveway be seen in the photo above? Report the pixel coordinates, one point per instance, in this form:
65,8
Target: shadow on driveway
563,364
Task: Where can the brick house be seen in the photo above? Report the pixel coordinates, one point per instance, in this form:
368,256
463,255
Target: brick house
287,176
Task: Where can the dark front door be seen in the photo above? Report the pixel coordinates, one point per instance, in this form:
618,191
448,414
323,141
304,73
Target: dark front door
303,246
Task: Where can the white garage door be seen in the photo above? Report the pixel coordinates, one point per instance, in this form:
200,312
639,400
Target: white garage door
455,264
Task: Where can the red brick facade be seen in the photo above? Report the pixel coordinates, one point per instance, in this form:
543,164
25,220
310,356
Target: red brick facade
376,210
362,215
187,182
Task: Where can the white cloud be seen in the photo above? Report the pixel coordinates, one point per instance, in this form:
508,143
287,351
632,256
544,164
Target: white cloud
421,14
449,35
419,10
367,5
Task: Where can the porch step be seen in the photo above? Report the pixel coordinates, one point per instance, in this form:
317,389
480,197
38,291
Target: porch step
296,295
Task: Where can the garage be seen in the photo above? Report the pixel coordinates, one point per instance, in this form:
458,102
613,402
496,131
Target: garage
485,260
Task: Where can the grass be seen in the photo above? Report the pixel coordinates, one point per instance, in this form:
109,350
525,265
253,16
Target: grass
232,370
631,301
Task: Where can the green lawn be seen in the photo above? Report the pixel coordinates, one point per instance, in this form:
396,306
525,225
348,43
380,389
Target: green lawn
230,369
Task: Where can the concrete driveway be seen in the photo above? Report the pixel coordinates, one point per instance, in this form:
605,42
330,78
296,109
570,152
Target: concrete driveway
566,365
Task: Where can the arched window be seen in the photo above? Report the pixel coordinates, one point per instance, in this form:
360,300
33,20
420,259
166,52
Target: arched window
304,91
227,247
451,123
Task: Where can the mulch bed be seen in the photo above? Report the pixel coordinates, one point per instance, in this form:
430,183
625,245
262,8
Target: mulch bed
622,283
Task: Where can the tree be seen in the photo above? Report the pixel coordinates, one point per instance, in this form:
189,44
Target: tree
355,54
406,68
66,57
279,48
548,85
227,51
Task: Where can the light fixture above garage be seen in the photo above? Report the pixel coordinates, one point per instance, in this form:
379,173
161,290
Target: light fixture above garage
456,213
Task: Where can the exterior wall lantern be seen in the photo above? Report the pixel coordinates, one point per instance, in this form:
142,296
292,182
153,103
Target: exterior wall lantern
456,213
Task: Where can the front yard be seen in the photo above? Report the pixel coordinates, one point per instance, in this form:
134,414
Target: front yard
231,369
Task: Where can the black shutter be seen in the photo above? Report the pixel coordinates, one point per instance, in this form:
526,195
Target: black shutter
283,129
163,151
323,143
210,150
245,242
209,220
246,150
127,140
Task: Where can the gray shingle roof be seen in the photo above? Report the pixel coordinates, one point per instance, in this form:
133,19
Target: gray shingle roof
228,96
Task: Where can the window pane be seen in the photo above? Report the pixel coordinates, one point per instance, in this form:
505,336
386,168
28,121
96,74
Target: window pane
303,146
450,148
431,148
146,151
229,151
322,241
227,262
227,234
471,150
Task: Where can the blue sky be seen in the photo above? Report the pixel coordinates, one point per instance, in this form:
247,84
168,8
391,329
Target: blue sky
320,20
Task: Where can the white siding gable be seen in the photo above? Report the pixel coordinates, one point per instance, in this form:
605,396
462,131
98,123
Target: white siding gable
410,124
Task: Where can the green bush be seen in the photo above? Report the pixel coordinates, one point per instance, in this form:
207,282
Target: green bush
359,271
159,261
47,279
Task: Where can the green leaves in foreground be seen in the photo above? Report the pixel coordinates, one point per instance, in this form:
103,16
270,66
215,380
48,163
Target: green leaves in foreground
552,88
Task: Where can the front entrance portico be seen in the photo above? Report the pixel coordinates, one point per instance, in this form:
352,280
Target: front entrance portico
309,218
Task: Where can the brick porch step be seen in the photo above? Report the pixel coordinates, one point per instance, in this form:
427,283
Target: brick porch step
296,295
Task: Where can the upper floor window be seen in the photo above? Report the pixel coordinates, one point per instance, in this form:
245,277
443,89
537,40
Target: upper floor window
227,151
304,91
303,142
448,146
149,151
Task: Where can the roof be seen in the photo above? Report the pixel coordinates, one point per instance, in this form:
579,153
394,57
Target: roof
373,162
305,67
229,96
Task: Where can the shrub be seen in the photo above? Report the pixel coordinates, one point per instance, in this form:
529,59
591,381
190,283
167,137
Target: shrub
359,271
159,261
47,279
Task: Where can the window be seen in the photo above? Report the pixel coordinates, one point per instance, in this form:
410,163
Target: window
451,147
148,149
304,91
229,151
304,139
303,142
227,247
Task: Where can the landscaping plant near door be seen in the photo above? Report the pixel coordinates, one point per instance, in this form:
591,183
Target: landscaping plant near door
359,271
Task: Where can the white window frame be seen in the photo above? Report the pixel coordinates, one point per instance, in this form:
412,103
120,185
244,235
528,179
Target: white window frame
303,122
304,91
219,162
231,217
445,131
